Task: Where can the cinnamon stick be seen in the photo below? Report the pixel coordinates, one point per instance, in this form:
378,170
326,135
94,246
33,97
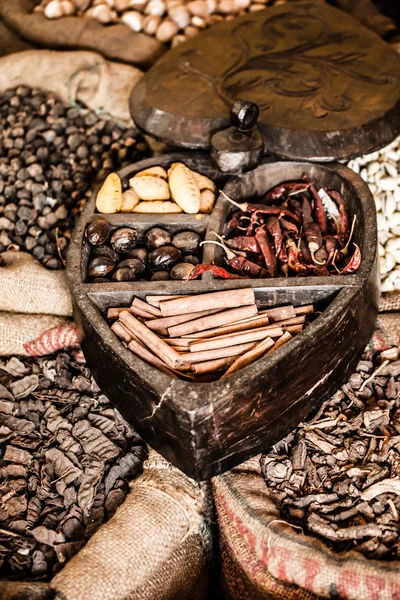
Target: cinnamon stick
113,313
281,313
304,310
156,300
294,329
244,324
137,303
138,312
209,322
121,332
199,357
282,340
151,340
161,325
249,357
149,357
234,340
224,299
212,366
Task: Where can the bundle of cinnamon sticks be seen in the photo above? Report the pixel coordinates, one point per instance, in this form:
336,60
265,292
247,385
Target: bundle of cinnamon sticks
204,334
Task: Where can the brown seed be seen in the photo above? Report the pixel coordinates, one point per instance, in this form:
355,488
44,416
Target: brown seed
164,258
97,232
123,240
100,266
181,271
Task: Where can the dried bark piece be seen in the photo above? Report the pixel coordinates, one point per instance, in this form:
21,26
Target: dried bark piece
109,197
391,485
94,442
17,455
25,386
62,466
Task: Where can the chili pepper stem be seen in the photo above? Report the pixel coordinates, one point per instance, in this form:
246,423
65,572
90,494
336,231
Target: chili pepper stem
346,248
229,253
241,206
315,261
295,192
333,261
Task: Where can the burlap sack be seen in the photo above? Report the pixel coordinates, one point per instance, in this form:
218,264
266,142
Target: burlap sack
116,42
263,557
15,590
83,76
155,547
390,302
27,287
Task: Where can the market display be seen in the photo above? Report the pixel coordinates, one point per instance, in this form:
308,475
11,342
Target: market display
66,461
50,157
337,474
155,190
169,21
297,229
158,257
220,332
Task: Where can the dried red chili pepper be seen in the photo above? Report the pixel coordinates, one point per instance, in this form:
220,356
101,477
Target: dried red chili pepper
295,207
274,229
269,257
343,215
218,272
288,226
319,210
270,210
321,255
244,242
283,189
305,252
311,229
354,262
331,245
239,263
293,257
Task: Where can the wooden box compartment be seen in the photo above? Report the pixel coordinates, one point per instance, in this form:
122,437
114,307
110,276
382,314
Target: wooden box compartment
206,428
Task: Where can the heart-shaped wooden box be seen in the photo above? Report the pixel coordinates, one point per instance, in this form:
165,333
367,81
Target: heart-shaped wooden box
206,428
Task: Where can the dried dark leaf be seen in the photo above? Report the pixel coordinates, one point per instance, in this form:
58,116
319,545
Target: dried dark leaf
94,442
23,387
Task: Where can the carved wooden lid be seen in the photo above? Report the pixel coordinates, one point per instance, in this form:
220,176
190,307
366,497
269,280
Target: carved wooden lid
327,88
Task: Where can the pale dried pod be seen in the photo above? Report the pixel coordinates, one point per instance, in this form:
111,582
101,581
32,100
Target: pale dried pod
134,20
137,4
226,7
121,5
177,40
53,10
109,197
130,199
101,13
191,31
158,206
150,24
198,22
184,189
256,7
149,187
166,31
211,6
207,201
214,20
68,8
198,8
153,171
241,4
81,5
180,16
155,8
203,182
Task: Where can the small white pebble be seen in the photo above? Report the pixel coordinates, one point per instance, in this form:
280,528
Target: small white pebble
381,250
390,204
387,286
134,20
388,184
382,222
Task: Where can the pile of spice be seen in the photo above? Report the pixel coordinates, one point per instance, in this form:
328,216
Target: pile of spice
156,191
337,476
121,254
298,229
66,459
169,21
381,171
205,334
50,157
